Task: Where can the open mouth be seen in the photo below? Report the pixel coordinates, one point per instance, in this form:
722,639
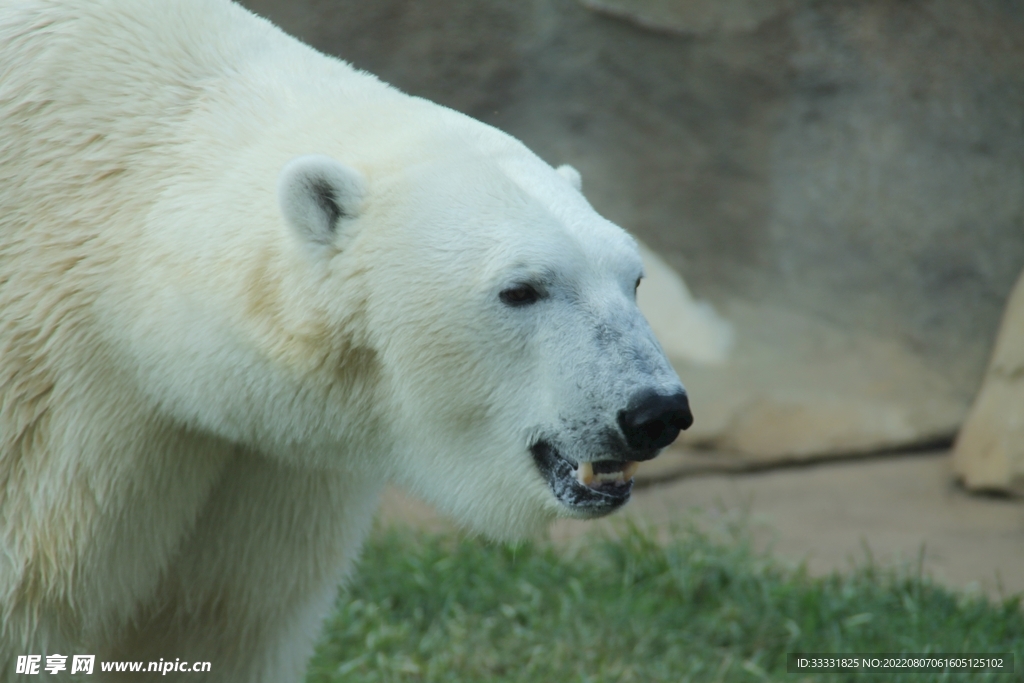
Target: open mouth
588,489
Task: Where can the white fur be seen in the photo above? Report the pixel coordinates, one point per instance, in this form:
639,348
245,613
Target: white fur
571,175
689,330
316,193
202,391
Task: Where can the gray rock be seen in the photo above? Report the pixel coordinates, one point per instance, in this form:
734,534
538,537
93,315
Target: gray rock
989,451
690,331
797,387
686,17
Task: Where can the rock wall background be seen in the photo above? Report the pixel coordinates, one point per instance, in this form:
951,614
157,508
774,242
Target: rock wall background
989,451
843,179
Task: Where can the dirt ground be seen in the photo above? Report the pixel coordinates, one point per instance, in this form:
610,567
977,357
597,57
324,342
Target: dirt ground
827,514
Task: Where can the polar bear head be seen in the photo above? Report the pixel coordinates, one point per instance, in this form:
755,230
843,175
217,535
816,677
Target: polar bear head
518,379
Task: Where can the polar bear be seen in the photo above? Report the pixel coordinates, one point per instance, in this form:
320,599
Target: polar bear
242,287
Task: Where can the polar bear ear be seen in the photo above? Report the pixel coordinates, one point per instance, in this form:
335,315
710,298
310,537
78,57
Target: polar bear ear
572,175
316,194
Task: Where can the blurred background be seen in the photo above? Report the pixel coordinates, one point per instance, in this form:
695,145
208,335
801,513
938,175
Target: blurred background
840,185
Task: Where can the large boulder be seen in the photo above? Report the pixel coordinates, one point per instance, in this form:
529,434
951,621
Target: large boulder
843,181
989,451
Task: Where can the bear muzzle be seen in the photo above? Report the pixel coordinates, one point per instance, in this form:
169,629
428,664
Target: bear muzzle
592,488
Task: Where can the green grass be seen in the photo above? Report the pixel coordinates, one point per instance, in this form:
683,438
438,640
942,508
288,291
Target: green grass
697,607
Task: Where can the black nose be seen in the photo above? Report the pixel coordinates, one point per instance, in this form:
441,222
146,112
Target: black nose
654,421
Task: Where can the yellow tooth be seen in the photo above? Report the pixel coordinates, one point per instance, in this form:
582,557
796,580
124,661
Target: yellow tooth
629,470
585,473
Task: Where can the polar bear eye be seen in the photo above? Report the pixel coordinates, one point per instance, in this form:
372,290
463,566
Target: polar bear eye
520,295
637,285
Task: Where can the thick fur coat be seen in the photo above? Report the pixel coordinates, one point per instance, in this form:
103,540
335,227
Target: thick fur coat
242,287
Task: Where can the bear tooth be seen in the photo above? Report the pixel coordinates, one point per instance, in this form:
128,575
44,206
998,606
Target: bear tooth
629,470
585,473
